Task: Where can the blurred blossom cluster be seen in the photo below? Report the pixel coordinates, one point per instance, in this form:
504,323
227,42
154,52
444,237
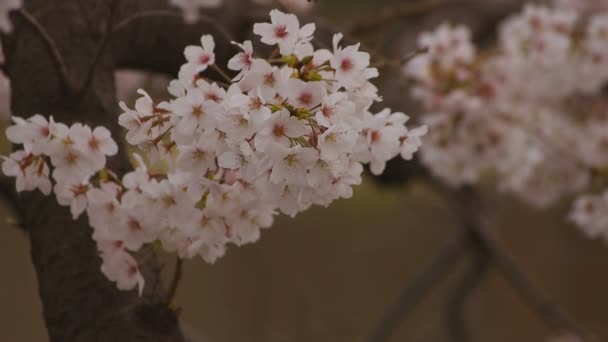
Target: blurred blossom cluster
584,6
220,159
531,109
191,9
6,6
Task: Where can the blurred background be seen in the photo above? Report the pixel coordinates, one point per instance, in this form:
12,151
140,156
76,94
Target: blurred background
330,274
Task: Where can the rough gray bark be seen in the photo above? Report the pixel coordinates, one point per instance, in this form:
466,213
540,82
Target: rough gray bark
79,303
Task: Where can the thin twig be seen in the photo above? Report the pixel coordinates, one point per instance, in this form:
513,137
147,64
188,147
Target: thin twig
221,73
177,276
393,12
102,47
51,46
170,14
417,288
396,63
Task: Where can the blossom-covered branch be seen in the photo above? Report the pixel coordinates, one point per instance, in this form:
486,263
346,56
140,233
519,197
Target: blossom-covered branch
219,161
531,109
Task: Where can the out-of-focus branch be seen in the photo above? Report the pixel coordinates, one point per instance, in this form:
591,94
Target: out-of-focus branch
51,47
393,12
456,323
7,189
399,62
484,227
152,37
417,288
170,14
544,306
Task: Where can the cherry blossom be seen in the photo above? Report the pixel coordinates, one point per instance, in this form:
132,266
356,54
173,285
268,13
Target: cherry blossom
219,161
191,8
6,6
531,111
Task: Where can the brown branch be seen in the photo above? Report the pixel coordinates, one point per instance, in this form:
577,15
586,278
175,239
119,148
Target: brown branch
51,47
417,288
545,307
459,296
177,277
399,62
100,50
8,192
170,14
394,12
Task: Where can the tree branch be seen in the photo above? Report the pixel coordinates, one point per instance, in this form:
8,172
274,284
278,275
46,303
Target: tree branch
394,12
546,308
154,37
100,50
459,295
417,288
170,14
8,191
399,62
51,46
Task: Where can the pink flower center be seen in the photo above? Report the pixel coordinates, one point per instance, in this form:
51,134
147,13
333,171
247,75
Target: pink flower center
205,58
280,31
269,79
245,59
305,98
278,131
79,190
110,208
94,144
346,64
71,159
45,131
134,225
197,111
212,97
375,136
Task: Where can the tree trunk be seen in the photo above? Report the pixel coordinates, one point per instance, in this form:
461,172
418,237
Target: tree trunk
79,303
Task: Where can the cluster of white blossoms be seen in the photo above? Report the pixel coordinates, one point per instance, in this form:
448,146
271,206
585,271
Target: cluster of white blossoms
6,6
221,159
530,110
191,8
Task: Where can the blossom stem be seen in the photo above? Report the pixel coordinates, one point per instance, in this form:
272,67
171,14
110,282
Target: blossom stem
177,276
223,84
402,61
221,73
